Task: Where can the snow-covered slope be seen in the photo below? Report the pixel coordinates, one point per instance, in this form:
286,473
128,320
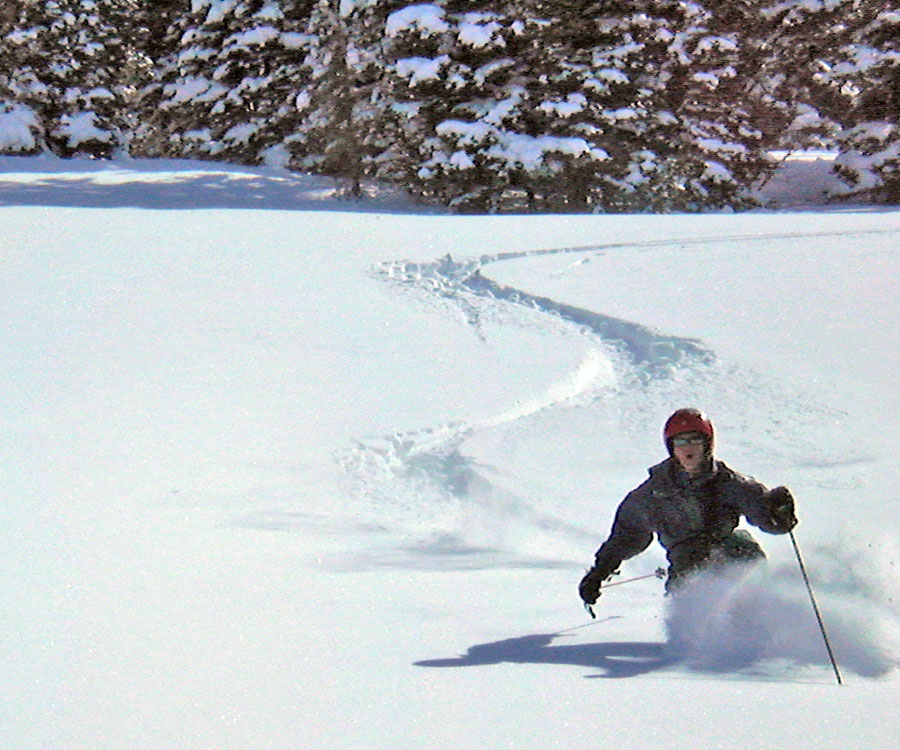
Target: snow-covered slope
283,470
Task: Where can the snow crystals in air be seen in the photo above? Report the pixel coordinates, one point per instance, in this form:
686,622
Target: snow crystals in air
743,617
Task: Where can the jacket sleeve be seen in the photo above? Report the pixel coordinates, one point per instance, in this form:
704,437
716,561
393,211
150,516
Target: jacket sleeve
756,504
631,534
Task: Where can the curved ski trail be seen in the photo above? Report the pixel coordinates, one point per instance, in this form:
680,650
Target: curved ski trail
427,472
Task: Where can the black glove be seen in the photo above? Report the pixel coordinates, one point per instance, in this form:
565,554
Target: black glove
781,509
589,588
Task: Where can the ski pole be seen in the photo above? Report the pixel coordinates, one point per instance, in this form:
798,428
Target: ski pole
815,607
658,573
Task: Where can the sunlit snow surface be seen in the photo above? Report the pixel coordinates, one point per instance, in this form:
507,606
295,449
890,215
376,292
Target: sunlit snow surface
287,470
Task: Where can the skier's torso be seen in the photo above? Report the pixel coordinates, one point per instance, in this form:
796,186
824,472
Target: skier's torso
678,507
688,515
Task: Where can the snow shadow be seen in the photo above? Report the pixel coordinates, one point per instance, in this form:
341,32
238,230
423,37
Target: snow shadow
167,185
442,552
748,620
615,660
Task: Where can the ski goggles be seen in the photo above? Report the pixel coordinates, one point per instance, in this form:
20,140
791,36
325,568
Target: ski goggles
689,440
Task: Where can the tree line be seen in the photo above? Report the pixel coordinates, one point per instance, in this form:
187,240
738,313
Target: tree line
512,105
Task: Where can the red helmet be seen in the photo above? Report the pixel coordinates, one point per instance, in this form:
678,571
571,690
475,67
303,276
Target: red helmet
689,420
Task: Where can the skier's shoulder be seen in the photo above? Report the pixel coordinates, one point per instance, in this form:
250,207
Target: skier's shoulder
657,478
659,472
727,475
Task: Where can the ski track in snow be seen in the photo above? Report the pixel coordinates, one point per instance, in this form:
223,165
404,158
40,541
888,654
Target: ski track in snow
406,467
651,352
462,281
456,517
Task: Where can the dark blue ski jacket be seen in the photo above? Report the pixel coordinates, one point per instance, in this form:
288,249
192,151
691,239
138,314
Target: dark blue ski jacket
691,516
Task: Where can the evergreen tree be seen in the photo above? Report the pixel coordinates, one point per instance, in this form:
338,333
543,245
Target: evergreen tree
326,138
21,127
726,119
570,105
796,34
490,108
343,129
838,60
153,23
71,72
573,105
451,84
160,30
867,70
227,90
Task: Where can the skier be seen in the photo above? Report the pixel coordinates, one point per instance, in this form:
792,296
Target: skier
692,502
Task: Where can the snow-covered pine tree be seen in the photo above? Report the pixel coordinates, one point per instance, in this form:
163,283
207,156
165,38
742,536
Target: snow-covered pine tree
786,66
8,12
495,103
343,128
664,95
71,73
153,22
867,69
326,138
617,60
160,35
726,121
227,91
839,61
451,82
571,105
21,127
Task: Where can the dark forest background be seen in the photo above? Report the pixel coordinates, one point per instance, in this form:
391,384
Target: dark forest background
633,105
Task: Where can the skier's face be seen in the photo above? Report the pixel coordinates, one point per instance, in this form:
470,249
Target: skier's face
690,450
